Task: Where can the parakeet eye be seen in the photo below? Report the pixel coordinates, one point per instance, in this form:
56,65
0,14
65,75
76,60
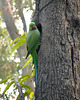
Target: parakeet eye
33,27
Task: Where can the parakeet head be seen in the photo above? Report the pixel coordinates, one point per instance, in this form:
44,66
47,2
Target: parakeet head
32,26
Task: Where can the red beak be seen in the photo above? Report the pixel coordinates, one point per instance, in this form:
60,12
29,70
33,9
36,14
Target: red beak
33,27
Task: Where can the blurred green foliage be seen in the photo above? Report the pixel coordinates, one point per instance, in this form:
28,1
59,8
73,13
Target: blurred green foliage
8,67
19,42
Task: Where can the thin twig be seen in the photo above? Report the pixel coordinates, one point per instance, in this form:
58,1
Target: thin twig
21,95
17,33
6,97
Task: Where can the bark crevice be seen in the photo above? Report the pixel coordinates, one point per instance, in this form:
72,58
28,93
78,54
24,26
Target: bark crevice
58,58
72,24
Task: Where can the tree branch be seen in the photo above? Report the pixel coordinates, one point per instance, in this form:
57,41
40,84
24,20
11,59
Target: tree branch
21,95
6,97
19,3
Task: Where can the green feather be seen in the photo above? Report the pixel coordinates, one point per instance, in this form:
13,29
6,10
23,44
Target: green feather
35,61
32,40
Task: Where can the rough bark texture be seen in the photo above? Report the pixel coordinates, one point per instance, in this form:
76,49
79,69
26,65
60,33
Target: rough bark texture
58,58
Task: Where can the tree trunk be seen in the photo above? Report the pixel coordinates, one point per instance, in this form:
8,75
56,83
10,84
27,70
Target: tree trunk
58,57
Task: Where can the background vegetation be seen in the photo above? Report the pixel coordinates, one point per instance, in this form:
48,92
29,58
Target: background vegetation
12,63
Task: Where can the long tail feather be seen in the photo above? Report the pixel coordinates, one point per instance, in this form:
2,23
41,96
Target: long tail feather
27,55
36,70
35,60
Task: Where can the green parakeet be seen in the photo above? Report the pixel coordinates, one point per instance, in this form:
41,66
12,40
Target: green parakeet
32,40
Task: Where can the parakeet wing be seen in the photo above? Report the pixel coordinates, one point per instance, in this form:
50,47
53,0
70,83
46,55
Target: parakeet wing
32,40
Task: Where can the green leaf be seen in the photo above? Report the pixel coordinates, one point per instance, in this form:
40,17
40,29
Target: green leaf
7,87
4,81
31,95
25,33
25,86
26,75
27,92
17,39
17,45
27,63
24,79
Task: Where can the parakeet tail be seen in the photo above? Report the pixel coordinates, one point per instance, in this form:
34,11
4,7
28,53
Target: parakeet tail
27,55
35,61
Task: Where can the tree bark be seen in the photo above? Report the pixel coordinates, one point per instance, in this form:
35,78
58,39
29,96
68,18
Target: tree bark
58,57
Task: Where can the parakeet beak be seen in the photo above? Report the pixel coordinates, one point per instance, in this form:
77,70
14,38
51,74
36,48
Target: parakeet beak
33,27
